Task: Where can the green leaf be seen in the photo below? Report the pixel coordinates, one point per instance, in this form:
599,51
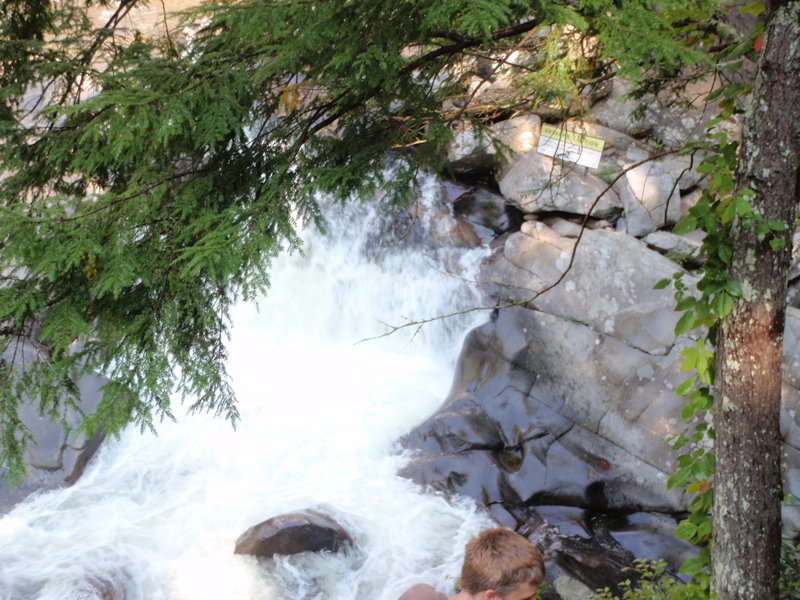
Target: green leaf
685,530
735,89
725,253
722,304
742,206
685,323
776,225
692,566
685,225
686,386
754,8
704,467
704,529
734,288
777,243
660,285
728,212
678,479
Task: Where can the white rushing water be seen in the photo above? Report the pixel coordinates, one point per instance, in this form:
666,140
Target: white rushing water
158,516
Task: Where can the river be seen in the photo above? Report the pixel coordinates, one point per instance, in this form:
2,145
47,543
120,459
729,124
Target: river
157,516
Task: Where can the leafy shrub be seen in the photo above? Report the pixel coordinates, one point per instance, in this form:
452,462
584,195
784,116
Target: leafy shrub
652,583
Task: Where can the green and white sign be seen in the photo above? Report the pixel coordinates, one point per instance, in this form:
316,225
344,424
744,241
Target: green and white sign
570,145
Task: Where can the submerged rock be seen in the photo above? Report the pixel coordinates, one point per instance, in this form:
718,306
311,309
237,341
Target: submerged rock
303,531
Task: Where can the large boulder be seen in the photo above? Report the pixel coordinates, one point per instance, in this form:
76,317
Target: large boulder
537,183
303,531
607,284
560,406
551,426
58,451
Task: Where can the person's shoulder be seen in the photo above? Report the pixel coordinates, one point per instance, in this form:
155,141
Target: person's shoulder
422,591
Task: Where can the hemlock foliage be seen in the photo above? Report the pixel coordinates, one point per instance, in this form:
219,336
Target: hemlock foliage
146,183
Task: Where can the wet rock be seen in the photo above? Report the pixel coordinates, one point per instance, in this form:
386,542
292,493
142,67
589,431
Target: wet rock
99,588
650,536
303,531
58,453
446,230
584,551
489,214
106,586
527,422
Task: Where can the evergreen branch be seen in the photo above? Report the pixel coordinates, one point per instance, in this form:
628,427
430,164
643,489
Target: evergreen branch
120,199
449,50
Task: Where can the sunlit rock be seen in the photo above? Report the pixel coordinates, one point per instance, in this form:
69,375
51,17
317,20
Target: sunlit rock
473,151
536,183
651,199
608,285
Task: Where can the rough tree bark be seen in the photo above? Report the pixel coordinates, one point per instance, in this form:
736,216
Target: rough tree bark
747,485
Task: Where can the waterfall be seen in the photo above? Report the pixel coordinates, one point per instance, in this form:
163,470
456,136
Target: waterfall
157,516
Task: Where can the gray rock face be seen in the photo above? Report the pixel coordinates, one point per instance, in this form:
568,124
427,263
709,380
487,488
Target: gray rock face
684,169
58,453
676,120
304,531
529,421
546,425
680,248
616,111
609,286
536,183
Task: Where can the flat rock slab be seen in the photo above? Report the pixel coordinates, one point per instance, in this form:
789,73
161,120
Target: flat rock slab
303,531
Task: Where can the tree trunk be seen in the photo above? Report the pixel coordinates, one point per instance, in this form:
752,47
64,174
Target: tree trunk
746,514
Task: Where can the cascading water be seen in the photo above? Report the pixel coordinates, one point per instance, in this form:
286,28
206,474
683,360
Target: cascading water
156,517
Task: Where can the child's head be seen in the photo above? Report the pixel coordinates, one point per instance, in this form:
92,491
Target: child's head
503,562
